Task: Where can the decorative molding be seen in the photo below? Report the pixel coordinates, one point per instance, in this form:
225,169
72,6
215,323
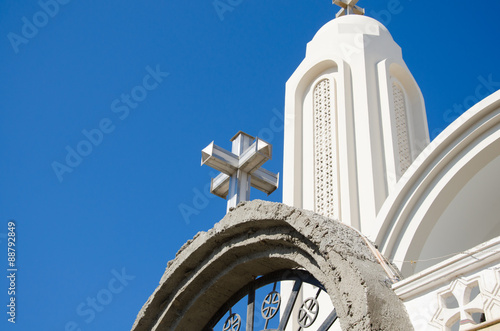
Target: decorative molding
411,205
400,109
325,154
473,259
461,303
469,302
462,292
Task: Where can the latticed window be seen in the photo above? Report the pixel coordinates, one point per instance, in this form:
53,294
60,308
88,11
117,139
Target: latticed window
461,306
400,115
325,170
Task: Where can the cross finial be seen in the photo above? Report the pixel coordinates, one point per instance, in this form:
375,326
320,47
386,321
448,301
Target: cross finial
348,7
240,168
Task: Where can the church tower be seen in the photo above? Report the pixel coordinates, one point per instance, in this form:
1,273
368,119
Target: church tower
355,121
354,128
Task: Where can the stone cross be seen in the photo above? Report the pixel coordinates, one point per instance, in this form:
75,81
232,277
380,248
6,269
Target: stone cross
240,168
348,7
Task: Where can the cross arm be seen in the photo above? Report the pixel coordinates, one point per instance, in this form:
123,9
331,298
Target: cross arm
264,180
219,159
255,156
261,179
355,10
348,7
220,185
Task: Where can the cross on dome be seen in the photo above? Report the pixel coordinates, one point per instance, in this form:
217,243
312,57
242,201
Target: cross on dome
348,7
240,168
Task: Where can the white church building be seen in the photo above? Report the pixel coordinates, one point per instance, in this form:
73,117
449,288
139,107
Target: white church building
357,150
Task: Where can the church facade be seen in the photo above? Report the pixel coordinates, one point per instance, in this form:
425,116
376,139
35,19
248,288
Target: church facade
429,207
380,229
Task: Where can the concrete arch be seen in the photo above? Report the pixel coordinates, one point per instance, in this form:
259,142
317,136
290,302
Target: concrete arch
258,238
438,175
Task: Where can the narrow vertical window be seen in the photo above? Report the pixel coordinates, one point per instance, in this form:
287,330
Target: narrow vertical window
325,172
400,109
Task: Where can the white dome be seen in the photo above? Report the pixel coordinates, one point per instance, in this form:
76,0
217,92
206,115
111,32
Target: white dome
352,34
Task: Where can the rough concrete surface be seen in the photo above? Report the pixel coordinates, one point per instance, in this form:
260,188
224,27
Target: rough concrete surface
260,237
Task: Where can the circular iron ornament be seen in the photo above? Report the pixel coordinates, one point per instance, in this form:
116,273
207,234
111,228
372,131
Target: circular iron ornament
270,305
233,323
308,312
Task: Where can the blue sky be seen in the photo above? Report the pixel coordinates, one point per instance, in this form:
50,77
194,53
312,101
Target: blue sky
104,227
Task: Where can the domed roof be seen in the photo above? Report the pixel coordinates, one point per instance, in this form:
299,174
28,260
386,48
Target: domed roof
346,31
359,20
